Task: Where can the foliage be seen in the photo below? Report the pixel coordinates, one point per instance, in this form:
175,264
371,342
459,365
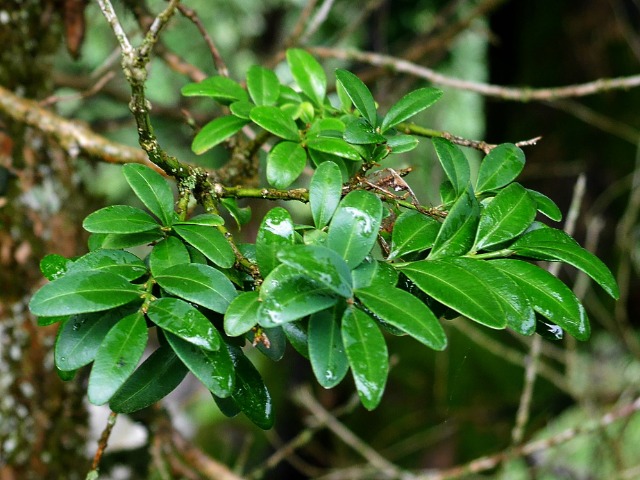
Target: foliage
369,261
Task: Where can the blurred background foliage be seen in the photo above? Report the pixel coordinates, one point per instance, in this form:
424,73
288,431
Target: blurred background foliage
446,408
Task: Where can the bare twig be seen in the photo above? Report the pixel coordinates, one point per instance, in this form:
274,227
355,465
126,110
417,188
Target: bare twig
151,38
95,88
497,91
104,439
299,27
319,18
110,14
191,14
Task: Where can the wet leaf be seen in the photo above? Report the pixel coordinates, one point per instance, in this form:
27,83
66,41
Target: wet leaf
119,219
413,232
285,163
546,206
204,219
325,191
326,350
458,230
152,189
275,233
120,262
54,266
242,314
209,241
167,253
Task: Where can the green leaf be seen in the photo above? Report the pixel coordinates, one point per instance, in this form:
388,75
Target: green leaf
199,284
334,146
241,109
458,230
54,266
296,333
367,354
228,407
251,394
242,314
500,167
450,283
215,132
83,292
287,295
413,232
546,206
152,189
121,263
158,376
405,312
205,219
167,253
308,74
210,242
214,369
185,321
117,357
275,121
242,215
548,296
326,350
127,240
263,85
275,233
454,164
221,89
271,344
359,94
285,163
321,265
509,214
409,105
360,132
325,190
80,337
119,219
355,225
556,245
401,143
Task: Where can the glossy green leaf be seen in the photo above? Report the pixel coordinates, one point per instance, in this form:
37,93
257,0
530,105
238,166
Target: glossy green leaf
405,312
54,266
296,333
325,190
367,353
167,253
360,132
242,215
546,206
413,232
152,189
451,284
328,358
263,85
275,121
83,292
205,219
127,240
458,230
359,94
549,296
228,406
285,163
401,143
222,89
272,342
275,233
334,146
354,228
215,132
199,284
409,105
556,245
250,393
308,74
500,167
454,163
213,368
447,193
117,357
208,240
119,219
120,262
185,321
242,109
153,380
242,314
80,337
291,298
44,321
509,214
321,265
515,304
288,95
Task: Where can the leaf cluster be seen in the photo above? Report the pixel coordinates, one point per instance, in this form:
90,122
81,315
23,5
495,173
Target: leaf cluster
368,263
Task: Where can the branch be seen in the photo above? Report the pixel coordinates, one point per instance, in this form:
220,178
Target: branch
75,137
497,91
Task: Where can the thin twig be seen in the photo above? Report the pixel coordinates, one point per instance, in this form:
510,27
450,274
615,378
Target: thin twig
319,18
151,38
191,14
110,14
104,439
95,88
497,91
299,27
